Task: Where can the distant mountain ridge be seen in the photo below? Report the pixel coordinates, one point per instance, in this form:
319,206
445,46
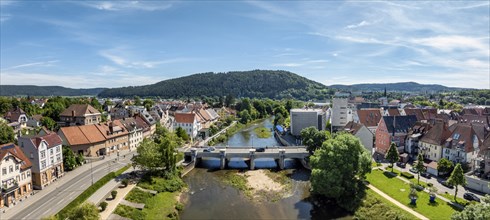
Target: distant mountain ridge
275,84
399,87
30,90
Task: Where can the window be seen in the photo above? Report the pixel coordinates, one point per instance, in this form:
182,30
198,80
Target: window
16,166
58,157
11,169
58,149
43,154
51,151
4,171
52,160
32,156
43,164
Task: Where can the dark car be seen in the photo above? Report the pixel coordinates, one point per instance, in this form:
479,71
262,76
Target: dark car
426,175
209,149
401,164
471,197
446,184
260,149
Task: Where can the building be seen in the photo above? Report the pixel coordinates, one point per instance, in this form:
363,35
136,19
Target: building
86,140
462,144
303,118
360,131
34,121
79,114
45,154
413,138
433,141
16,176
393,129
189,122
16,115
116,137
341,114
135,131
369,118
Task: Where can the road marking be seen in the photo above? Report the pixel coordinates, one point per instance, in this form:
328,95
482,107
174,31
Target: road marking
61,200
46,212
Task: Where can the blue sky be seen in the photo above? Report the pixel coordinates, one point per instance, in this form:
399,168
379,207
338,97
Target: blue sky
84,44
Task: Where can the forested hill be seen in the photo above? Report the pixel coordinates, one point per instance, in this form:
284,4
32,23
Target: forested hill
401,86
28,90
254,84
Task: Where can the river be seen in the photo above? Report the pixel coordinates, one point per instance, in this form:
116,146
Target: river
209,198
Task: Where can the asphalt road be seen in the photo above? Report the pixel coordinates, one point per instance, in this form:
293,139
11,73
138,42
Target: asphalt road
49,202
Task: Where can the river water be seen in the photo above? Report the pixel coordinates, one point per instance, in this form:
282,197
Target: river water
209,198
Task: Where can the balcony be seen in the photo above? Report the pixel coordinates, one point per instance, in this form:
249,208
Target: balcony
8,189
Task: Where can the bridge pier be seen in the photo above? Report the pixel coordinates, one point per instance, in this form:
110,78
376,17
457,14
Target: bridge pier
252,159
193,154
282,156
222,155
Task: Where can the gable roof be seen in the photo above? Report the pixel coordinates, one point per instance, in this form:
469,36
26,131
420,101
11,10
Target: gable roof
185,117
37,117
485,146
130,124
393,112
85,134
14,114
353,127
462,133
79,110
415,111
52,139
369,117
429,113
438,134
112,129
400,124
470,111
484,119
16,152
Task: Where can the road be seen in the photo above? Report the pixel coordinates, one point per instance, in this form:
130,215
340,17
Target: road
56,196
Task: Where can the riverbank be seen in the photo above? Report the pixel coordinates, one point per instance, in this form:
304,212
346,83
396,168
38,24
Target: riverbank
263,132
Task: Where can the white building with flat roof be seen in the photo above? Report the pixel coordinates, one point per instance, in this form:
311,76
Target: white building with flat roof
341,113
303,118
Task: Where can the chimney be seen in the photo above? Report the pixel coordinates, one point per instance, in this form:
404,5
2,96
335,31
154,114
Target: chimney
111,127
73,113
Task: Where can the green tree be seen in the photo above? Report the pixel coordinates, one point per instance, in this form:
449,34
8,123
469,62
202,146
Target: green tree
80,159
96,104
245,117
474,211
229,100
54,108
85,211
419,165
312,138
137,101
457,178
148,103
445,166
69,158
338,168
49,123
148,155
289,105
392,156
182,134
7,134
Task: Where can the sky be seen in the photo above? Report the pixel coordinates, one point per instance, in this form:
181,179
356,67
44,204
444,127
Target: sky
87,44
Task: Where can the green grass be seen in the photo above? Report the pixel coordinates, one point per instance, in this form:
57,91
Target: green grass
130,212
180,156
138,196
263,132
375,164
459,200
161,206
375,206
161,184
399,190
234,179
89,191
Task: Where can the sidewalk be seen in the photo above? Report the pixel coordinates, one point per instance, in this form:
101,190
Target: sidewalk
112,204
105,190
416,214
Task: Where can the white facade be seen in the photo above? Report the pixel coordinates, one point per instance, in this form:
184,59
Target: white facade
135,138
303,118
366,137
341,113
190,128
11,173
431,151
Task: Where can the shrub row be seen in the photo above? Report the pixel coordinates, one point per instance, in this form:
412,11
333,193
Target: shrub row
89,191
407,175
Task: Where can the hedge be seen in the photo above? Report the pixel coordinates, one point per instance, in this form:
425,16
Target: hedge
407,175
89,191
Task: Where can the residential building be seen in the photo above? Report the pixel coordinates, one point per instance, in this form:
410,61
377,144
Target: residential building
341,113
462,145
116,136
189,122
369,118
16,116
85,139
432,143
303,118
16,174
34,121
119,111
79,114
393,129
143,124
135,131
360,131
416,133
45,154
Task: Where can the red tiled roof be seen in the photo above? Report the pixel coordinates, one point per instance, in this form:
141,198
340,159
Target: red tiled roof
393,112
437,134
352,127
415,111
369,117
85,134
52,139
79,110
185,117
16,152
14,114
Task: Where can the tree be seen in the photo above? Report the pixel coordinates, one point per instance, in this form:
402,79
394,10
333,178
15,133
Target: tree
137,101
69,158
103,206
445,166
7,134
148,155
229,100
289,105
113,194
245,117
312,138
392,155
54,108
457,178
85,211
182,134
474,211
419,166
148,103
80,159
49,123
338,168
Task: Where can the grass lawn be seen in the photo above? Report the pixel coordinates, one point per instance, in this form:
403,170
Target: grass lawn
138,196
399,190
130,212
161,206
263,132
375,206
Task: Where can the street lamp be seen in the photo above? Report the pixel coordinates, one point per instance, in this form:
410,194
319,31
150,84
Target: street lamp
91,171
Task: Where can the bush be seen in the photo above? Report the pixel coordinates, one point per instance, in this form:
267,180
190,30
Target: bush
407,175
125,182
430,184
179,207
103,206
170,184
114,194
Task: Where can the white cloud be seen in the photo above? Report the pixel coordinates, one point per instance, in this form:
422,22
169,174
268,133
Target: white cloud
127,63
128,5
454,42
361,24
41,64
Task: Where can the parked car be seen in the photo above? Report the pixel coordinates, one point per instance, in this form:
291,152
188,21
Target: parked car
260,149
413,170
401,164
446,184
209,149
426,175
471,197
